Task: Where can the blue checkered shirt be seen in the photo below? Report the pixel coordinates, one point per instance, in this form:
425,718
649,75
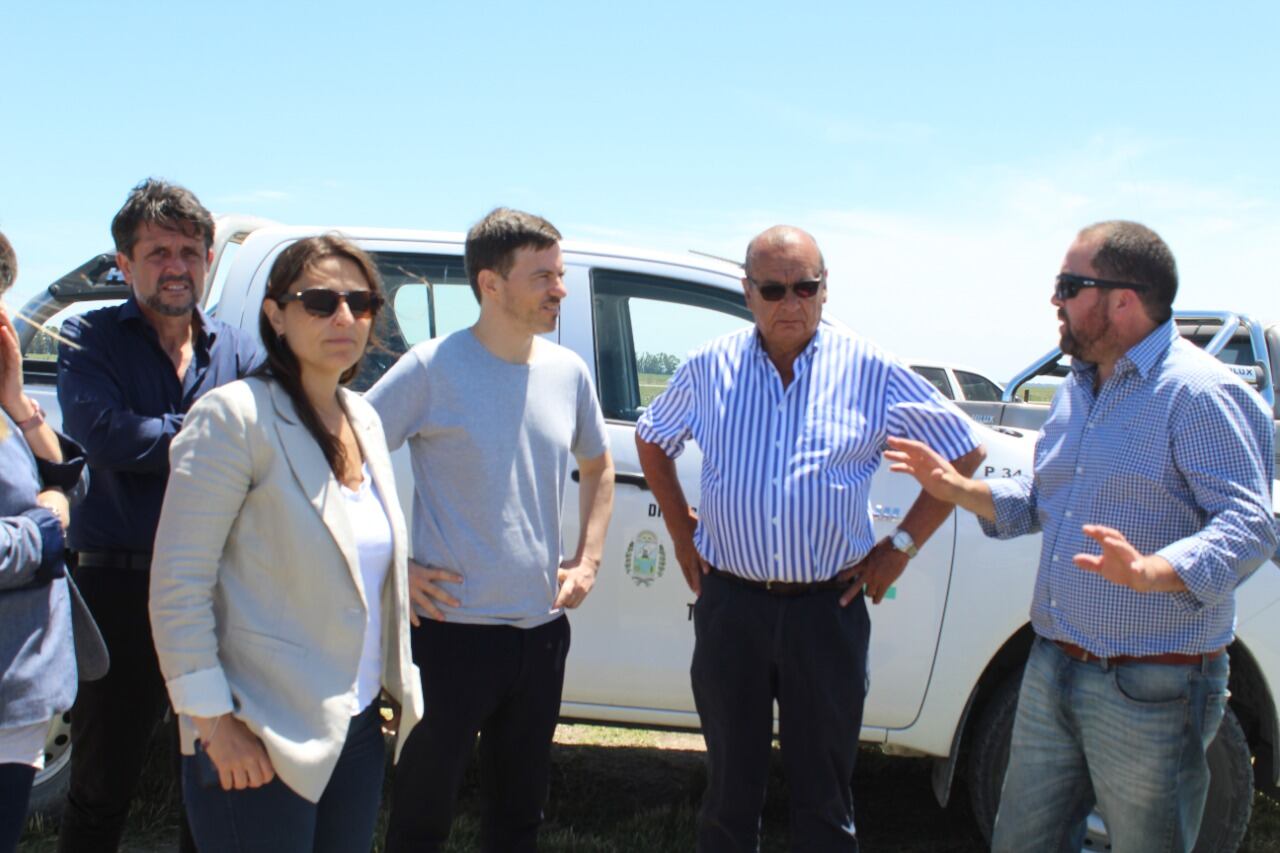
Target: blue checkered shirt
786,472
1175,453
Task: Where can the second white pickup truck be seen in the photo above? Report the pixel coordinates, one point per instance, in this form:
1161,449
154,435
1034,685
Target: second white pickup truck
948,642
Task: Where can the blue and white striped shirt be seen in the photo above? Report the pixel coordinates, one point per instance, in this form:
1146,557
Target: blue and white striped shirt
1174,452
786,472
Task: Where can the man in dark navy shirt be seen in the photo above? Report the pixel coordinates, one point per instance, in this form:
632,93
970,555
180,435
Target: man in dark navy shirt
126,377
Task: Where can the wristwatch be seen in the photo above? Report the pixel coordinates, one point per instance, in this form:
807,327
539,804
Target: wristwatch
903,542
37,417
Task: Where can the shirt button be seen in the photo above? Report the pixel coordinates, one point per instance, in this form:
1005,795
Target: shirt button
1068,513
775,519
1079,469
777,444
775,481
1054,558
777,557
1053,602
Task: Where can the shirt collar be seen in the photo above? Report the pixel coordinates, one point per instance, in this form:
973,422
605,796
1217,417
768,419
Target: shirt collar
205,328
1142,356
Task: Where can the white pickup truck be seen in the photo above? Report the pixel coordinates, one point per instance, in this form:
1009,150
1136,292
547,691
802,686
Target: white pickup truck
948,642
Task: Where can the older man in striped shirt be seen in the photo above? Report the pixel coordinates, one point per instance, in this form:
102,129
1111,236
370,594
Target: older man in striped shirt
791,416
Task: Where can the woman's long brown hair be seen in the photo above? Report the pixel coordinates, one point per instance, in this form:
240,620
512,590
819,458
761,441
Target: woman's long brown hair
282,365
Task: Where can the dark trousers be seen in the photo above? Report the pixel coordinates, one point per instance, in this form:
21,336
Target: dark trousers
504,684
808,653
15,793
114,718
275,819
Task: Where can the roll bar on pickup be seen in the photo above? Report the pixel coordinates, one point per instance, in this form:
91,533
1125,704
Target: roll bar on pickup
1258,373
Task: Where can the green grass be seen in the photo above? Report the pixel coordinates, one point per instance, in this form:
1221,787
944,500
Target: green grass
651,385
623,790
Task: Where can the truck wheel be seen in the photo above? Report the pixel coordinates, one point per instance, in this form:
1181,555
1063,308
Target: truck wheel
49,792
1226,812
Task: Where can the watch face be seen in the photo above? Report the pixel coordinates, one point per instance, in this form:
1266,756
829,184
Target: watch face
903,542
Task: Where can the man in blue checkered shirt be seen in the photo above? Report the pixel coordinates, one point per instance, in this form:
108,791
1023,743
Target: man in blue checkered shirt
1152,488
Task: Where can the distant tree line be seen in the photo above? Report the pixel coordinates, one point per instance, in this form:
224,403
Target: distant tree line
42,346
657,362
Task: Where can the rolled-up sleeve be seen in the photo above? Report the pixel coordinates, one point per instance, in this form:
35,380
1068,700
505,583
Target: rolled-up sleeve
210,476
668,421
1014,499
917,411
1223,445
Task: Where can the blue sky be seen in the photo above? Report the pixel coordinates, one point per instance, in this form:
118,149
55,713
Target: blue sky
944,155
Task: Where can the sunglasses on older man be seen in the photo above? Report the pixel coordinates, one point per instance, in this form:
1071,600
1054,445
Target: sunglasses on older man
1066,285
772,291
323,302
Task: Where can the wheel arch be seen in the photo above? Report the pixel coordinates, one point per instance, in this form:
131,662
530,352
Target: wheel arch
1255,707
1008,658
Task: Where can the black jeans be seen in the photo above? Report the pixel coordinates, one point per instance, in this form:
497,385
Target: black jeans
503,683
808,653
114,718
15,793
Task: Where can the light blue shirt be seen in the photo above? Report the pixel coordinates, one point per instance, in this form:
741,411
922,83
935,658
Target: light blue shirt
1174,452
786,472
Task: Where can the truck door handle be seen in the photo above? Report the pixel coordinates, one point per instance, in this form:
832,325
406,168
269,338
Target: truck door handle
624,479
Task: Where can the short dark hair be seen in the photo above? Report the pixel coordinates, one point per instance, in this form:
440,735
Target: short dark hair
1130,251
492,242
8,263
164,205
281,364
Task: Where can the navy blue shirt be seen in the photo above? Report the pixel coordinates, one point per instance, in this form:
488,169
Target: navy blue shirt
121,399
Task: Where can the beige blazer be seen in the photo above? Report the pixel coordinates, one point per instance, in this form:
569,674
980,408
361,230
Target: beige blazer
257,602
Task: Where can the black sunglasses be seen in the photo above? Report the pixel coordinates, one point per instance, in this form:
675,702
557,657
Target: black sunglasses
772,291
1066,285
322,302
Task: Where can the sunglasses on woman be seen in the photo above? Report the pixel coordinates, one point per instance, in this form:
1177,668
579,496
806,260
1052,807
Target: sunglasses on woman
1066,285
322,302
772,291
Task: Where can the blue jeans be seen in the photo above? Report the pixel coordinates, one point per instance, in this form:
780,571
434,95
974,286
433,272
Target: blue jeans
274,819
1130,738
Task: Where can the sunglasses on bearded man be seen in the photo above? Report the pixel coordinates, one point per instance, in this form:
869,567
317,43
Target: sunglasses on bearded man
1067,286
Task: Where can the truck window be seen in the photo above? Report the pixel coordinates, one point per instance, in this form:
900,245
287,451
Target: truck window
427,296
938,379
978,388
646,326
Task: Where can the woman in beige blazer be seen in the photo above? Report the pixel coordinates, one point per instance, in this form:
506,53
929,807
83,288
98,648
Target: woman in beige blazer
279,593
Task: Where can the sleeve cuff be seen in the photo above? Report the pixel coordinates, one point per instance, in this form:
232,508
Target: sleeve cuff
1184,555
1013,512
52,545
63,475
647,432
204,693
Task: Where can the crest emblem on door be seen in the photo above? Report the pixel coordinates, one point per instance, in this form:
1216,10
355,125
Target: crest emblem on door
646,559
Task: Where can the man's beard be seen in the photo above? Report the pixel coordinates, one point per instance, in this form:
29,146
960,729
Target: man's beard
1079,343
157,304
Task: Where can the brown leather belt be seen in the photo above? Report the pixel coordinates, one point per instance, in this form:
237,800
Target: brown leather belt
783,588
1170,658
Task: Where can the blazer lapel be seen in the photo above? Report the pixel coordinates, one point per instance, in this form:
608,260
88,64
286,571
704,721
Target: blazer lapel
316,479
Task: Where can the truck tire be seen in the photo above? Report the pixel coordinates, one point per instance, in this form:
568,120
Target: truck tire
1226,812
49,792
